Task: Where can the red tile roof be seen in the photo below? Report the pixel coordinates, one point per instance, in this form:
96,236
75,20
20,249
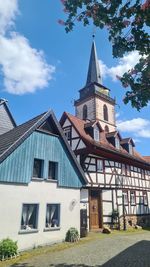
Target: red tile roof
79,126
147,158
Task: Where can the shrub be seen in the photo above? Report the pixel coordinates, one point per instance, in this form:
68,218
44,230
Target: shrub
72,235
8,248
115,214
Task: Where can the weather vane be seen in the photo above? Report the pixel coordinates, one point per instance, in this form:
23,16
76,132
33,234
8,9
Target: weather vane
93,32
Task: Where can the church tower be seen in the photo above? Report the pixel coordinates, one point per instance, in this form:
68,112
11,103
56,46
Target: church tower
94,103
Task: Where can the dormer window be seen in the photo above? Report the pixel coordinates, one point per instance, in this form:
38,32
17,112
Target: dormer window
84,112
105,112
128,144
96,134
117,143
130,149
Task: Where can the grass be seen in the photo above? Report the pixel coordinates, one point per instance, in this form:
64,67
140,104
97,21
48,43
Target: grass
65,245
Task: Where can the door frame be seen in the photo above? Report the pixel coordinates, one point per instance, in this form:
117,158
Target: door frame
100,208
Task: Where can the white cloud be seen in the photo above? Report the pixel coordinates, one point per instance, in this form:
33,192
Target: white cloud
24,68
117,115
126,63
138,127
8,12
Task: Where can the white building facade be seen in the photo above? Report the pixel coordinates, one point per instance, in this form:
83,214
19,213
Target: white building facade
40,181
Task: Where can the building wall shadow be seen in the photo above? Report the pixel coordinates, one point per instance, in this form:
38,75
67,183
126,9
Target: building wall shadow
137,255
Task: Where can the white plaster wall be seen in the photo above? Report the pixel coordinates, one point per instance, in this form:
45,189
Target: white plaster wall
66,123
12,198
107,195
74,133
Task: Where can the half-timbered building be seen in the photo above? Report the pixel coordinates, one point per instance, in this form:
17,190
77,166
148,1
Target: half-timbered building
118,189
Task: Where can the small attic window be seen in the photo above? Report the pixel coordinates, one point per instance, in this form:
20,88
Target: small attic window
130,148
117,143
84,112
96,134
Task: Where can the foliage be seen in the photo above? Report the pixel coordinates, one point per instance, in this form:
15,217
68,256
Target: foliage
72,235
8,248
128,24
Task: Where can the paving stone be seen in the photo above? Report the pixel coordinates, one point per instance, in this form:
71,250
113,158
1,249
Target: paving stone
116,250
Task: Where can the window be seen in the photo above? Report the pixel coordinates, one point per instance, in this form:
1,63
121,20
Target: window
130,149
52,215
125,198
145,199
52,170
67,132
132,198
84,112
117,143
128,170
29,216
96,134
38,168
123,169
99,165
105,113
106,129
143,174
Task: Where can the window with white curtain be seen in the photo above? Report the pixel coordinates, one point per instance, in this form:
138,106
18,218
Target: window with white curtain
52,215
29,216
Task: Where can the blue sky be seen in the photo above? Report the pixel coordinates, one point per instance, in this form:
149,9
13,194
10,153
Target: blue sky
43,68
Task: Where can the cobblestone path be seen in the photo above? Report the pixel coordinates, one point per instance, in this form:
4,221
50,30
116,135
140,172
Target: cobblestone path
115,250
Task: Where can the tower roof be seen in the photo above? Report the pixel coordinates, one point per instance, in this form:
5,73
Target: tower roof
94,74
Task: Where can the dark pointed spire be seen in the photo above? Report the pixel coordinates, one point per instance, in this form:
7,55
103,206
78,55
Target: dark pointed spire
94,74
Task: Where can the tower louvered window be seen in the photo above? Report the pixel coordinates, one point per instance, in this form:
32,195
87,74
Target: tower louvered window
105,112
84,112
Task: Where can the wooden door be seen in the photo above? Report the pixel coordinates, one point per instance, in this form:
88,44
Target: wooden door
95,211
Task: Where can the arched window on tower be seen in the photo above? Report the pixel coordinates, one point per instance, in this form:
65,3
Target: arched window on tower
106,129
84,112
105,112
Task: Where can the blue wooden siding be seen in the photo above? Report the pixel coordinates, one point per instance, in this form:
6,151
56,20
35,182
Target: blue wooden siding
18,167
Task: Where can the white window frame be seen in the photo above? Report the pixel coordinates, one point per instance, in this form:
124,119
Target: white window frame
96,134
117,142
100,167
125,196
132,198
67,132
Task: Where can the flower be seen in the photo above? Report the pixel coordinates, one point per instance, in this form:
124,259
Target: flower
61,22
126,23
146,5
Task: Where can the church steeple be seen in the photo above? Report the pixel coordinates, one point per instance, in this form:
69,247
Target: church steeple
94,74
94,102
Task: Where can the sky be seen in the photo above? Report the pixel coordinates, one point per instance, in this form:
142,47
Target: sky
42,67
